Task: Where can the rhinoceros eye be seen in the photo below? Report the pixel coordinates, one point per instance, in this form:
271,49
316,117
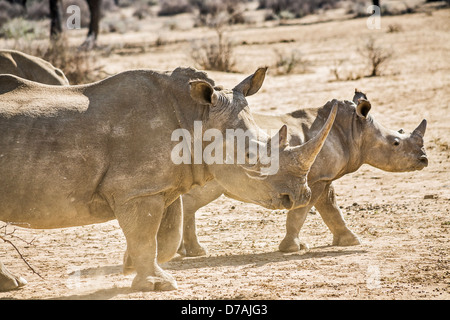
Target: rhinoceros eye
396,142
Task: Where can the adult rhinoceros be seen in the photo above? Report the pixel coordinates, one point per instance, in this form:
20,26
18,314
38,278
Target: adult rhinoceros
78,155
30,67
356,138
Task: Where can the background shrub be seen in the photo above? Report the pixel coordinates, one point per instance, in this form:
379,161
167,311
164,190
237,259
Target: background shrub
296,8
214,54
173,7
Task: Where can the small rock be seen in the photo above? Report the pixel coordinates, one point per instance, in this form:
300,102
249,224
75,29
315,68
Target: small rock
430,196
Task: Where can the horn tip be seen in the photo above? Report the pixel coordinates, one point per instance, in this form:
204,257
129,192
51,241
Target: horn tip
263,68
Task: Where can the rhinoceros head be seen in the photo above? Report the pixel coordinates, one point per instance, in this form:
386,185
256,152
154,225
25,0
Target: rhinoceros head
389,150
261,168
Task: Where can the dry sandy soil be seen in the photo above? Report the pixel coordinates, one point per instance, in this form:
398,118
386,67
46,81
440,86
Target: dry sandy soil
402,219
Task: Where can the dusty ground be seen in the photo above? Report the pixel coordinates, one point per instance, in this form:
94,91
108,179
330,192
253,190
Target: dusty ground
402,219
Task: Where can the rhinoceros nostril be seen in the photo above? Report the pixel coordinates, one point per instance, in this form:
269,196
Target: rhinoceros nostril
423,159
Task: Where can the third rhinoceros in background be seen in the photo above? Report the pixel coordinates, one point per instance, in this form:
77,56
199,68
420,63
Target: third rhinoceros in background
356,138
30,67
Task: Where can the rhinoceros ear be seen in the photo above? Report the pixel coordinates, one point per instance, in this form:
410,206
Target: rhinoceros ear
363,108
282,137
253,83
203,92
358,95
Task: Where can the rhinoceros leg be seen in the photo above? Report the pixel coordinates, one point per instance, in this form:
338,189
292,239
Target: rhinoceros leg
140,219
332,216
294,222
296,218
169,236
170,231
8,281
192,201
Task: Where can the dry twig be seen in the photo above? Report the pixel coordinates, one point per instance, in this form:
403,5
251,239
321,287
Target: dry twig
10,234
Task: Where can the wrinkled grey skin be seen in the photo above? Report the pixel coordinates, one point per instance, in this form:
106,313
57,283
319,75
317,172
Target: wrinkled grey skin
30,67
78,155
355,139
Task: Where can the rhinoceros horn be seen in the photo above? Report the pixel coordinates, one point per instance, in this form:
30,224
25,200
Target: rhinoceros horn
420,130
308,151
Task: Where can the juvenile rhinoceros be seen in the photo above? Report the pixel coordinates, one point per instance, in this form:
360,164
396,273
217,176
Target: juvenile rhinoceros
356,138
30,67
78,155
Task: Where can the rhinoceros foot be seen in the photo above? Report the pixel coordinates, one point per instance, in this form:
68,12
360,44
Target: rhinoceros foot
347,239
10,282
195,251
152,283
292,245
192,249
